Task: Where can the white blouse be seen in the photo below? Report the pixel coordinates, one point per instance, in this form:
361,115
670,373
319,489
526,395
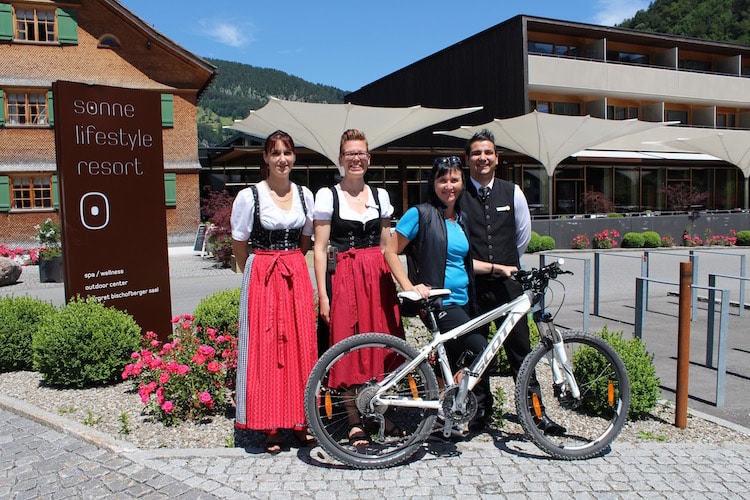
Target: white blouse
324,206
271,216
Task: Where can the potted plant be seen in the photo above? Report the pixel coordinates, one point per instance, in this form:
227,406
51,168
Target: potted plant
49,256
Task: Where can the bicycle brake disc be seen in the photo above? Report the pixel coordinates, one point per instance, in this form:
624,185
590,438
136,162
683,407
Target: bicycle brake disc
459,415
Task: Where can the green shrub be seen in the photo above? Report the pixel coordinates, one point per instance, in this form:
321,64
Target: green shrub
644,384
546,243
539,243
534,243
743,238
632,240
220,310
614,215
85,344
21,317
651,239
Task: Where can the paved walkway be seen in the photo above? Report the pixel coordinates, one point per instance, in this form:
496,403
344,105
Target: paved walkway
43,455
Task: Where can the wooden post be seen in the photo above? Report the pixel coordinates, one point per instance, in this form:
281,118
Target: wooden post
683,344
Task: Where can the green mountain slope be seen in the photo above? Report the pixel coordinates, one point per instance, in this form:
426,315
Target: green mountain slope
241,87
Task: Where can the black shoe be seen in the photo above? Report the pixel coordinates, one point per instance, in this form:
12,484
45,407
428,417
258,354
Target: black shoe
549,427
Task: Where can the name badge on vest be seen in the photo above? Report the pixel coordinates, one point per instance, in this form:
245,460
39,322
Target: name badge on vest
504,208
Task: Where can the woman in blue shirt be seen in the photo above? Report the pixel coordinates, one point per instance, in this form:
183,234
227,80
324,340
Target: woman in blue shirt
432,234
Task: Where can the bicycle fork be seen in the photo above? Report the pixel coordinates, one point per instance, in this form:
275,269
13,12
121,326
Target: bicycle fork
562,373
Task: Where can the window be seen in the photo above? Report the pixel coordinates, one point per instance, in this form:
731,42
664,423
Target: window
32,192
26,108
692,65
622,112
674,115
627,57
108,42
567,108
36,25
549,48
540,106
725,120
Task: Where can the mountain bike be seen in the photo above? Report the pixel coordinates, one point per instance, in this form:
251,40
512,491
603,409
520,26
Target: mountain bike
574,378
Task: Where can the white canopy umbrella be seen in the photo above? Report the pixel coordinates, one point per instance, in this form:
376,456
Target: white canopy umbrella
732,146
319,126
550,138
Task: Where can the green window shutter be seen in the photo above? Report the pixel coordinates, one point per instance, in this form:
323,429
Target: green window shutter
4,193
55,193
67,26
167,110
170,189
50,110
6,22
2,108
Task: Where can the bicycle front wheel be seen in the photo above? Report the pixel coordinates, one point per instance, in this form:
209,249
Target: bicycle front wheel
339,396
587,424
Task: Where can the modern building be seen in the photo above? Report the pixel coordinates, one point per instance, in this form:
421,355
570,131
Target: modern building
97,42
530,63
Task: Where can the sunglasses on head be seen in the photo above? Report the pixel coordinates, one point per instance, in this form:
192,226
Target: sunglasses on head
447,160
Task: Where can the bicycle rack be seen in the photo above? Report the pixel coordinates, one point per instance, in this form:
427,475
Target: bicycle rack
721,368
586,282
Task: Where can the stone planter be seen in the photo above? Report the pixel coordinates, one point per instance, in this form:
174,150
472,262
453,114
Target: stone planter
51,270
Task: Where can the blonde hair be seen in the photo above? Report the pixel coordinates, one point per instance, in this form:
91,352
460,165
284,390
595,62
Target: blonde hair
352,135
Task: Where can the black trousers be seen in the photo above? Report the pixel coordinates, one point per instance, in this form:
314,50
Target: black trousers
465,349
492,293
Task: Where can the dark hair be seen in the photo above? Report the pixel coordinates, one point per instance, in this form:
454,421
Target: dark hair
279,135
440,167
482,135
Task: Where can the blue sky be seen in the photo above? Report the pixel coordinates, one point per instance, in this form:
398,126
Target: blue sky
348,44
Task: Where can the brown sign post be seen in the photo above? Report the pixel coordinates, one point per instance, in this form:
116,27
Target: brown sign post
112,203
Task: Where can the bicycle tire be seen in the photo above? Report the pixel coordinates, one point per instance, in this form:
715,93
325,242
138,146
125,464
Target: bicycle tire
328,408
592,421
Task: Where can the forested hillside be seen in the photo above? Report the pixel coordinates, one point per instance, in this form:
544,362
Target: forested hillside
240,87
723,20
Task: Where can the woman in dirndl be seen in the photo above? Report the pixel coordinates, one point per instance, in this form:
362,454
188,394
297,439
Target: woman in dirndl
356,292
277,337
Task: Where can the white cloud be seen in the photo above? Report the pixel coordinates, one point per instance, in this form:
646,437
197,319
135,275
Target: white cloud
610,12
236,36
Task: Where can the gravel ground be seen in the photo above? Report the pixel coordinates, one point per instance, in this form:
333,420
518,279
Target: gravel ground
117,411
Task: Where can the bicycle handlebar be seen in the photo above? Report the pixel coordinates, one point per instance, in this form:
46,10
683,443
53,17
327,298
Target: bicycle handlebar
537,280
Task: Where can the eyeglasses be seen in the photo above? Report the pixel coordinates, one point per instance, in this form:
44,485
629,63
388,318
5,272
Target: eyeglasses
447,160
350,155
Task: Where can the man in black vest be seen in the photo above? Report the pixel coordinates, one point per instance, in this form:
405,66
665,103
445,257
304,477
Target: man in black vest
499,225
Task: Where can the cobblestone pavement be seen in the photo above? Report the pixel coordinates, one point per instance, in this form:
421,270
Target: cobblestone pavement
45,456
39,461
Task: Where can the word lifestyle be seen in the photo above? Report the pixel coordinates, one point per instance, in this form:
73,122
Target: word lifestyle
90,135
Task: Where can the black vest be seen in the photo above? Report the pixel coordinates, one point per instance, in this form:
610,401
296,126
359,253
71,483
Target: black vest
427,252
492,231
348,234
275,239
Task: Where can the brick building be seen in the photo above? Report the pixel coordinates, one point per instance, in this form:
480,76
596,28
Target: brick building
98,42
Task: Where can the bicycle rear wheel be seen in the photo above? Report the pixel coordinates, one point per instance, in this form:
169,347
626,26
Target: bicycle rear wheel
592,421
335,399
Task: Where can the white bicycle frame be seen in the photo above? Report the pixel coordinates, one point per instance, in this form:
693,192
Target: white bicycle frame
516,311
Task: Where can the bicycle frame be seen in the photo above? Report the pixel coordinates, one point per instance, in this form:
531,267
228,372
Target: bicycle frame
515,310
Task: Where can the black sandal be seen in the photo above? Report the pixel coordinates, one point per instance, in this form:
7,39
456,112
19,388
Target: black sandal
305,439
273,442
357,436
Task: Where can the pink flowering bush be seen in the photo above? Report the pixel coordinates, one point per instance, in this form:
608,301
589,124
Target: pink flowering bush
606,239
667,241
581,241
21,256
720,239
189,377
